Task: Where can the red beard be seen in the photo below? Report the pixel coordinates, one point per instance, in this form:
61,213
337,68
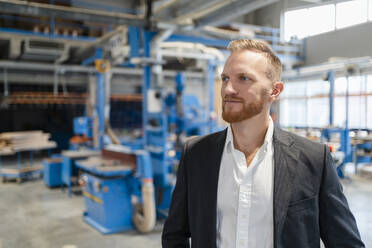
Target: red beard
248,111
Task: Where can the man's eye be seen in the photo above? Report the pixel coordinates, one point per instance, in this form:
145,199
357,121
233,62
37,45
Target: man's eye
244,78
225,79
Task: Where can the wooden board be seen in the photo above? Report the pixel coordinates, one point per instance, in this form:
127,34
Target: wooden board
80,153
23,169
102,164
53,160
12,142
15,135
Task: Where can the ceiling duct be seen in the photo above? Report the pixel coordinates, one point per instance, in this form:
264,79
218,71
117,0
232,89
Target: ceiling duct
42,50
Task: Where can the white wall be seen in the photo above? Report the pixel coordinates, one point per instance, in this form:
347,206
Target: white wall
270,15
349,42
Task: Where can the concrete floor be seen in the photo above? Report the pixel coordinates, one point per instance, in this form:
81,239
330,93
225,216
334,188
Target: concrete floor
33,215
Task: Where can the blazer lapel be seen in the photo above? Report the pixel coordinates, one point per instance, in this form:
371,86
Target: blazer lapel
283,178
214,156
284,160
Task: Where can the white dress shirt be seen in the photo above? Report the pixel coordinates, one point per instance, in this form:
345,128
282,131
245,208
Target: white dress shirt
245,196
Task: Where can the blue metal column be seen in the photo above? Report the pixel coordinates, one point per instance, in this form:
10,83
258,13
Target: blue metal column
100,96
52,21
134,41
331,80
347,104
101,108
348,154
211,117
345,137
180,85
146,82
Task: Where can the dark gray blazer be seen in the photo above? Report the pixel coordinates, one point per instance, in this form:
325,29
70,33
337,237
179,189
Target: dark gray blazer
308,199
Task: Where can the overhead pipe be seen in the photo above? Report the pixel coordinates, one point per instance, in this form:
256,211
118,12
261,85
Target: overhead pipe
156,51
144,216
6,64
53,67
231,11
201,12
87,50
209,52
163,5
72,13
338,66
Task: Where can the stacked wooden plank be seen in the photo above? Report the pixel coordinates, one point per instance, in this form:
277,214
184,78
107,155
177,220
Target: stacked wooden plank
12,142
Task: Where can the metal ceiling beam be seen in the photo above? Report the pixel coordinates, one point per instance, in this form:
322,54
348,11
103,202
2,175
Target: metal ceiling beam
7,64
233,10
162,5
72,13
337,66
31,66
188,10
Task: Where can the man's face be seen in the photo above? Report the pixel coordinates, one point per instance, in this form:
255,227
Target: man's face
245,87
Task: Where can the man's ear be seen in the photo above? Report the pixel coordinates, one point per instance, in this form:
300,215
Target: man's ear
277,89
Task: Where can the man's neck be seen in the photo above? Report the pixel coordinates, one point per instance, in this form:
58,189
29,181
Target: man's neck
249,134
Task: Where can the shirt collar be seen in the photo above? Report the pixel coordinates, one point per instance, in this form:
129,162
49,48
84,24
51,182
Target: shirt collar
268,137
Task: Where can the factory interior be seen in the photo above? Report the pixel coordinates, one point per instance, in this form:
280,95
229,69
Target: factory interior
97,99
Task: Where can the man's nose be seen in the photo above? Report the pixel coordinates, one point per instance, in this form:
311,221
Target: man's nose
230,88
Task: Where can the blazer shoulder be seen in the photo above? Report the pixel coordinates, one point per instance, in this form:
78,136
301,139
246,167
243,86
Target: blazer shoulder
307,163
304,149
202,142
300,142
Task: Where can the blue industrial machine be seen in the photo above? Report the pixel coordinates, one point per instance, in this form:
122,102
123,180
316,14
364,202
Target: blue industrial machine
345,145
112,178
185,113
69,170
83,130
83,126
168,121
362,151
110,182
114,175
82,145
52,171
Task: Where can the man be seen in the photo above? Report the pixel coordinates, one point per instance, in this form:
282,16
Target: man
255,185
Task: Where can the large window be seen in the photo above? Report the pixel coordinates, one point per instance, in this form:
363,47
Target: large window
322,19
293,108
317,103
351,13
357,102
306,103
304,22
294,28
339,109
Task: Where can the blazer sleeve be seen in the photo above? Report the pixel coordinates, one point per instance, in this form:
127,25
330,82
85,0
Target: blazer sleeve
176,228
337,224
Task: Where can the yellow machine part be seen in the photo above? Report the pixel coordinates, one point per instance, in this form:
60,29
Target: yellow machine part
102,65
